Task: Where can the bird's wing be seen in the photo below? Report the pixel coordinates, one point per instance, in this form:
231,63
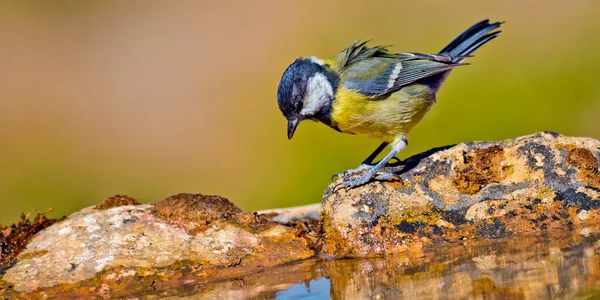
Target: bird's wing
377,76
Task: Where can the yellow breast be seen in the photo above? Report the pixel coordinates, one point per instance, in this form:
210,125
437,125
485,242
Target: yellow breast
386,118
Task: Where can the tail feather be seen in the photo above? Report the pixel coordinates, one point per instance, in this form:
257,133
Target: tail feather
462,47
470,40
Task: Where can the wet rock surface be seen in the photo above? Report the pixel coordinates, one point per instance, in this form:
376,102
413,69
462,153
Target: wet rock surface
137,249
559,266
477,190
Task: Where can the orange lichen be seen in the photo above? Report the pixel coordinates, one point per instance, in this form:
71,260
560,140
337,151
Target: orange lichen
566,147
396,184
480,168
310,230
584,160
34,254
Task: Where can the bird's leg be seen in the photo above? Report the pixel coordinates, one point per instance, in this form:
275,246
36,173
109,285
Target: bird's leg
398,146
367,163
369,160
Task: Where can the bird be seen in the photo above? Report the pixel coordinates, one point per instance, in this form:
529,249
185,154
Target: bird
371,92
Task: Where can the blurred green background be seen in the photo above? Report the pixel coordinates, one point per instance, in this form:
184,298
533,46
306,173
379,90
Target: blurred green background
153,98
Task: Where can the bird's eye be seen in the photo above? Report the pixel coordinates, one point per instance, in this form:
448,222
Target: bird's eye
299,105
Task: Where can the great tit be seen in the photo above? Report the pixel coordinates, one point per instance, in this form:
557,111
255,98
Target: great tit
371,92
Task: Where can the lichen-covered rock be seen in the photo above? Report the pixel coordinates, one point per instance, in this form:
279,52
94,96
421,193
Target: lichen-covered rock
122,249
14,238
474,190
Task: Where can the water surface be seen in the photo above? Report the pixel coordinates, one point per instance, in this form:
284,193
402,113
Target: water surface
559,265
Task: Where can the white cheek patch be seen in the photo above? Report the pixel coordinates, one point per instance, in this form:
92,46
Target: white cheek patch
319,93
317,61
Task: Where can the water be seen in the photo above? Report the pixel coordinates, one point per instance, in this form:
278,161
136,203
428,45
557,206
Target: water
559,265
315,289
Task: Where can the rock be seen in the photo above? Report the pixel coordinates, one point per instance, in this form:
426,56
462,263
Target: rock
122,248
476,190
287,215
192,244
562,265
14,238
117,200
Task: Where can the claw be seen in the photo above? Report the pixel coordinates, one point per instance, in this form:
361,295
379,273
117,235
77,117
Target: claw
355,182
372,169
387,177
362,180
337,186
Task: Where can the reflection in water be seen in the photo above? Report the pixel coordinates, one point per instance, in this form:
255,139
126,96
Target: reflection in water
315,289
522,268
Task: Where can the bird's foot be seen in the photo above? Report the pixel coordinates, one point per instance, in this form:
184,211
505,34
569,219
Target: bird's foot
364,179
387,177
363,167
360,168
354,181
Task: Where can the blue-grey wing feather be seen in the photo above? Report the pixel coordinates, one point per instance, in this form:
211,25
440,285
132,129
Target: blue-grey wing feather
378,76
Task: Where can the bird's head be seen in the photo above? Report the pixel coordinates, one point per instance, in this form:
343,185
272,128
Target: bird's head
305,91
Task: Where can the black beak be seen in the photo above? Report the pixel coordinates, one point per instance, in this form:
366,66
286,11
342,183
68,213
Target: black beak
292,125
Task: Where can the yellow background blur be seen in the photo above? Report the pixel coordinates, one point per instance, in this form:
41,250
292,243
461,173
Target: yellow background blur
153,98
